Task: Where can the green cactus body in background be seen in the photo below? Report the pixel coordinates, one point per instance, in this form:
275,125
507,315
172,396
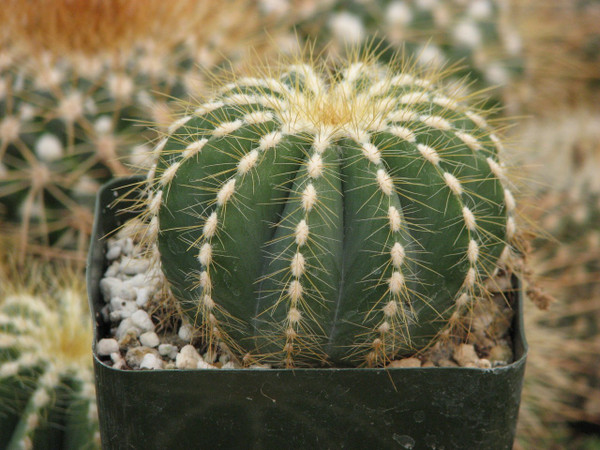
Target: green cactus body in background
73,100
62,135
562,384
336,219
474,35
47,395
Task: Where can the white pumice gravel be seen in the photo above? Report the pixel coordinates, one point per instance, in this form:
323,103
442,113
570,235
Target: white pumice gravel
142,295
204,365
135,356
117,360
113,253
105,347
168,350
133,291
150,339
133,266
126,326
121,309
142,320
185,332
465,355
151,361
188,358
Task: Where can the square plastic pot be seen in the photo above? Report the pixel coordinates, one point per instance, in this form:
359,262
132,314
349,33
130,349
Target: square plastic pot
408,408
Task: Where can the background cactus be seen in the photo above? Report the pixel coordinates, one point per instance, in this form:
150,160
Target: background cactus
73,99
561,61
563,142
557,394
565,340
333,217
47,395
474,35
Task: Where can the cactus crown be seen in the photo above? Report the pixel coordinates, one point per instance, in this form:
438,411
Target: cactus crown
339,216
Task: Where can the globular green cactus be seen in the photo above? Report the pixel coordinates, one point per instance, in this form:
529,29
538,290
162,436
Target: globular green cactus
63,133
475,35
47,395
343,218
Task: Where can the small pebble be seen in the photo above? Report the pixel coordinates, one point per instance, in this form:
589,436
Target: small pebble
150,339
204,365
230,365
484,364
112,287
134,266
121,309
142,296
446,363
138,281
168,350
135,356
117,303
130,339
119,365
465,354
112,270
406,362
107,346
109,286
185,333
125,327
259,367
113,252
127,246
151,361
187,358
501,354
142,320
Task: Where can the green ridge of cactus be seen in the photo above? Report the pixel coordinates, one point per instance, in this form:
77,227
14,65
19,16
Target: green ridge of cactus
316,217
47,394
474,35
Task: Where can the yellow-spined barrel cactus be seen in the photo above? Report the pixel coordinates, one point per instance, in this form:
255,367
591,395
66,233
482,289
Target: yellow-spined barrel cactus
47,395
322,216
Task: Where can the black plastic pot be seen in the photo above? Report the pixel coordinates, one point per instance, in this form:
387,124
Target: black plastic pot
305,408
